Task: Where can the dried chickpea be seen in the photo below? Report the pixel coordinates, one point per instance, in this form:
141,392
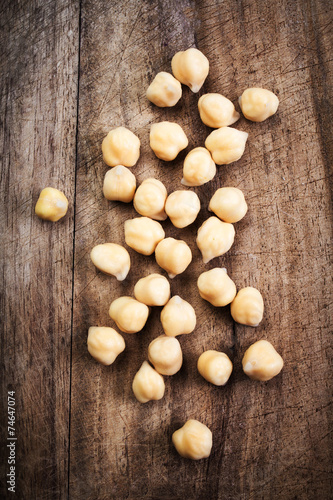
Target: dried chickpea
178,317
215,367
174,256
191,68
167,139
194,440
247,308
182,207
164,90
217,111
226,144
143,234
198,167
152,290
258,104
215,238
261,361
104,344
216,287
129,314
165,354
121,147
51,205
119,184
112,259
229,204
150,198
148,384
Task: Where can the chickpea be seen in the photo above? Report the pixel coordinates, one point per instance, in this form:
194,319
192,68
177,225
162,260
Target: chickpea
194,440
165,354
261,361
198,168
247,308
152,290
229,204
112,259
167,139
129,314
148,384
226,144
215,238
182,207
178,317
52,204
174,256
215,367
121,147
150,198
104,344
191,68
216,287
217,111
143,234
119,184
164,90
258,104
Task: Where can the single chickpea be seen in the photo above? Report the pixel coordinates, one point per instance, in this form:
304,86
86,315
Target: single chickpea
247,308
167,139
226,144
112,259
104,344
214,238
129,314
217,111
191,68
119,184
143,234
164,91
182,207
261,361
194,440
215,367
121,147
148,384
152,290
150,198
198,167
52,204
258,104
178,317
165,354
216,287
229,204
174,256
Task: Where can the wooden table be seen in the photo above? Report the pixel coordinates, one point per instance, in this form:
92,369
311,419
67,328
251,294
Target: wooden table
70,71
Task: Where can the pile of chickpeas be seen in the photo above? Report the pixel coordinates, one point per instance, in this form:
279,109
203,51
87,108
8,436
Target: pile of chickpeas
145,234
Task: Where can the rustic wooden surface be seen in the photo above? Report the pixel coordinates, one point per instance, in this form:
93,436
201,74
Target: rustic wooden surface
69,72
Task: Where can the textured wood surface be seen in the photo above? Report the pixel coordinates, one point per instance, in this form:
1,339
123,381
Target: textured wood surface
69,72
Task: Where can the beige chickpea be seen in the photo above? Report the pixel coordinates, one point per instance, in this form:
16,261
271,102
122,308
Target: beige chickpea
191,68
198,167
104,344
174,256
121,147
51,205
258,104
261,361
112,259
217,111
215,367
167,139
143,234
214,238
150,198
247,308
182,207
119,184
148,384
194,440
164,90
229,204
152,290
226,144
178,317
216,287
129,314
165,354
